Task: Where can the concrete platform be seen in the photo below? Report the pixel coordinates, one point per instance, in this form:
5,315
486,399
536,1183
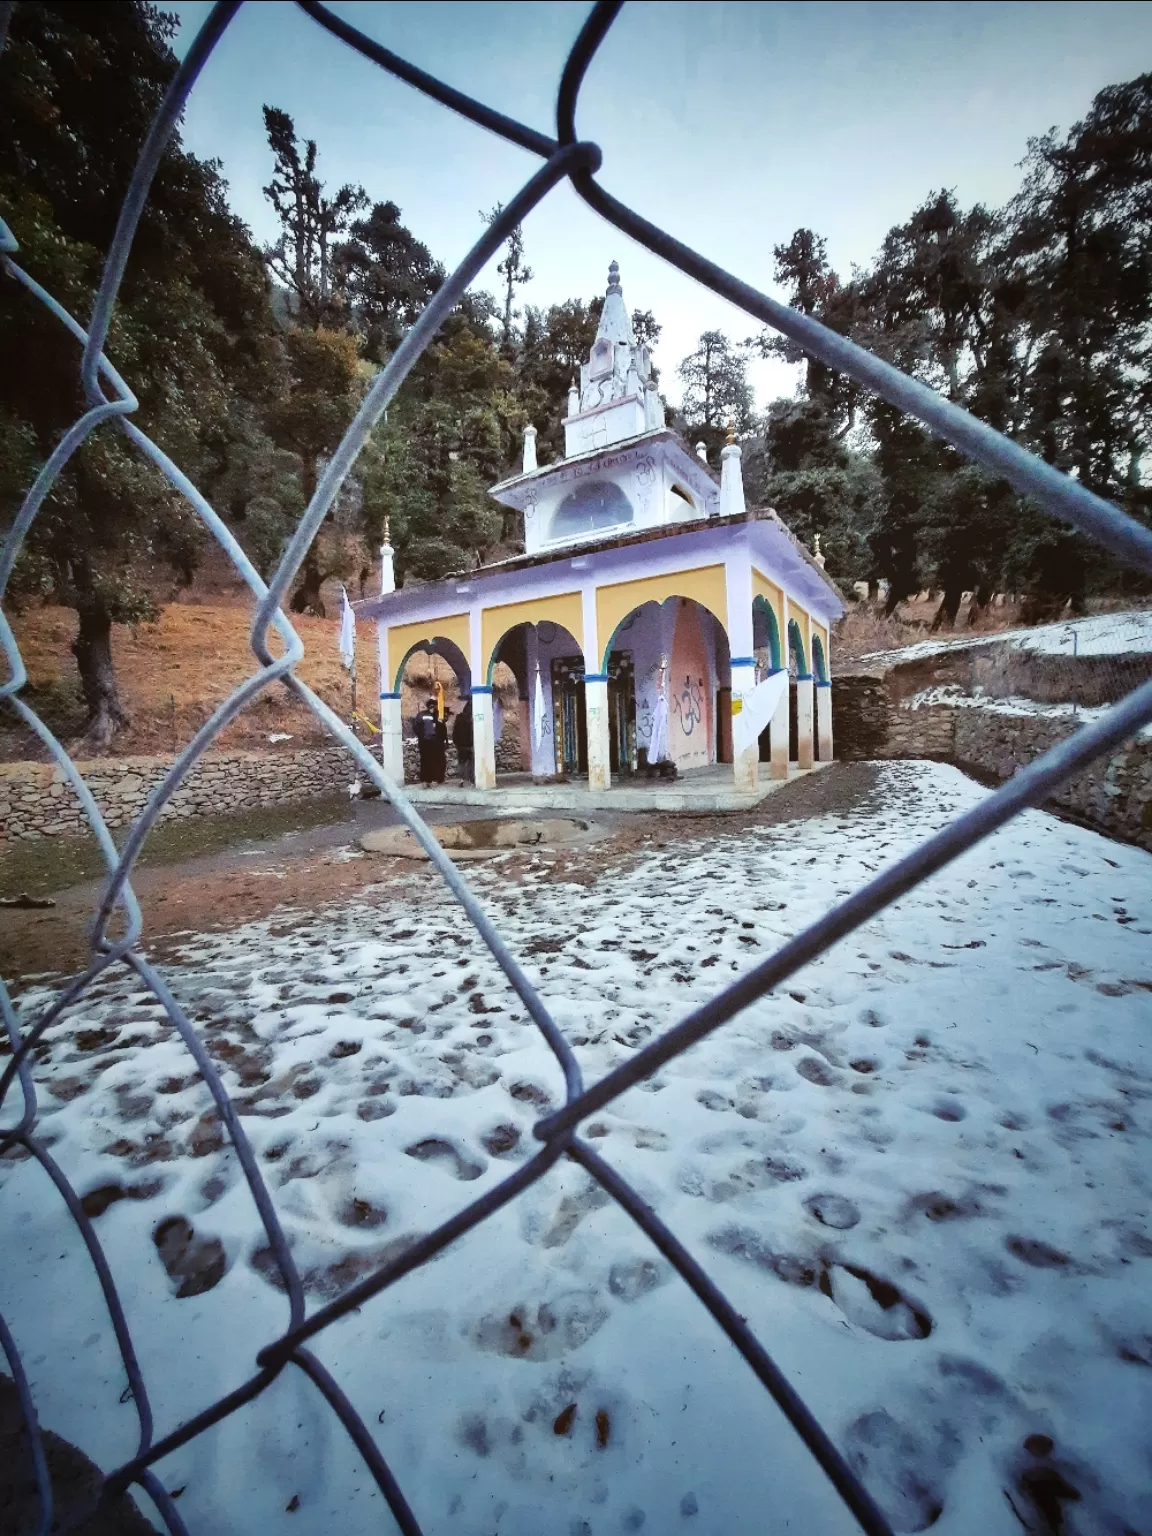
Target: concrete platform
701,790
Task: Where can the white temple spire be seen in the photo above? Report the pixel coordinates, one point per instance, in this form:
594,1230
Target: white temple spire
613,401
731,479
614,324
529,449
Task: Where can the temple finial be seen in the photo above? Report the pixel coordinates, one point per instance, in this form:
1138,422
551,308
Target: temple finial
614,277
731,433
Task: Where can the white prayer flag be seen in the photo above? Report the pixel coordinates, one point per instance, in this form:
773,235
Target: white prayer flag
347,641
752,711
658,745
538,711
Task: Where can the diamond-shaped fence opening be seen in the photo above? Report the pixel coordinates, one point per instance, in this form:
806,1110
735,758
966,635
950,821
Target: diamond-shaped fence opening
116,929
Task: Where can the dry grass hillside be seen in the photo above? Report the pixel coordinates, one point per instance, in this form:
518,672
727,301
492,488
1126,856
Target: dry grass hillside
174,673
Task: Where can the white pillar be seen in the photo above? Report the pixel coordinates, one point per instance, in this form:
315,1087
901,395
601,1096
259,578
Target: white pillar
589,640
804,691
778,765
391,722
738,599
391,736
745,760
596,715
824,721
483,738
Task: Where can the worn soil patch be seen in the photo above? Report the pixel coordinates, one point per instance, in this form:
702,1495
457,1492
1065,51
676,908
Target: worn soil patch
321,865
75,1483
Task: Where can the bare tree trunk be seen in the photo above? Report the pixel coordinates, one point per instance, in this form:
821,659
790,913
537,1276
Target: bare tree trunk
982,596
306,598
92,649
948,609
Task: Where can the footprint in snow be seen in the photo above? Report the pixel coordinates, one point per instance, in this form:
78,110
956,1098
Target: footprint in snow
643,1137
1052,1493
874,1304
445,1155
950,1110
629,1280
194,1264
835,1211
817,1071
569,1213
501,1141
544,1332
756,1173
866,1299
901,1466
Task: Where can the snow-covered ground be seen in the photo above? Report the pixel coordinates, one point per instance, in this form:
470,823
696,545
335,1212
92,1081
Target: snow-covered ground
1105,634
921,1171
952,696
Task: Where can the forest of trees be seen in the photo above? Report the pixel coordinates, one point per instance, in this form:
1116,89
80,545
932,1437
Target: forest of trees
249,363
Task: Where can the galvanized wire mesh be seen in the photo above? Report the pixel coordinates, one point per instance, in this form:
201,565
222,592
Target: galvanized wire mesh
110,404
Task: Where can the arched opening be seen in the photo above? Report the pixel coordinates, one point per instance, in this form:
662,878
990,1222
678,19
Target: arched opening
589,508
799,710
822,736
537,679
432,668
447,652
819,660
769,657
669,676
765,637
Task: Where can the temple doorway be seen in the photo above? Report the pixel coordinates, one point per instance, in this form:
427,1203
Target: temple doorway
570,722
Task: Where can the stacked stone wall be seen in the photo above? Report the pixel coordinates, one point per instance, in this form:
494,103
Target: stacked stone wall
872,721
37,801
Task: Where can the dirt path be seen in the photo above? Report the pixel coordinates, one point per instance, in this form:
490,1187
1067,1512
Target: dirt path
315,866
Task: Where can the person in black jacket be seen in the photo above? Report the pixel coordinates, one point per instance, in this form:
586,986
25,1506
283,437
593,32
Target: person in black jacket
464,741
432,743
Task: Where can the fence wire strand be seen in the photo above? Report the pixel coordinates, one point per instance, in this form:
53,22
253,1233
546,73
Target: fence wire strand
110,401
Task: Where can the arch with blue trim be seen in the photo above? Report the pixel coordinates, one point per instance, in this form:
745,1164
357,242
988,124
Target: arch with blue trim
766,631
819,660
796,649
438,645
547,630
633,614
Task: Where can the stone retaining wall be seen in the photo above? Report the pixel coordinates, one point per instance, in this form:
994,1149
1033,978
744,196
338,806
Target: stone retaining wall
36,801
1114,795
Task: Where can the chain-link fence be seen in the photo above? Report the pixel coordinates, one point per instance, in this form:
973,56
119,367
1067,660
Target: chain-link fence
110,405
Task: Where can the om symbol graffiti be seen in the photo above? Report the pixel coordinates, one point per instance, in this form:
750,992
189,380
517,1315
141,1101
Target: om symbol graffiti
689,705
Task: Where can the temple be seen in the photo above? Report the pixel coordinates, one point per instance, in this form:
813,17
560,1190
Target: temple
653,618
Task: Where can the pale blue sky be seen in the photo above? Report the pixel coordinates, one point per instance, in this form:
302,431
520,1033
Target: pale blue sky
732,124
